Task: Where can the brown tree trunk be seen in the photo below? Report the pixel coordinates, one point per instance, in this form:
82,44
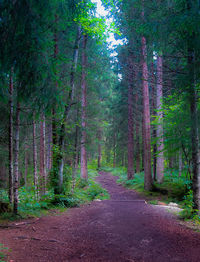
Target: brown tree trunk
180,162
54,118
193,92
35,158
130,170
195,148
49,147
42,156
99,149
76,151
160,143
10,187
25,164
84,172
154,128
16,164
68,107
114,151
137,137
146,120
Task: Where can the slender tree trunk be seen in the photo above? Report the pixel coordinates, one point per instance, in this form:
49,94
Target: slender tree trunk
10,190
99,149
68,107
154,128
54,116
84,172
42,156
26,164
194,116
76,152
137,138
130,170
160,144
180,163
146,120
49,147
35,158
76,142
195,148
16,164
114,151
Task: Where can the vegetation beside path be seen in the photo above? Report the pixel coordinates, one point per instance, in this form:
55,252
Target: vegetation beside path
175,189
84,191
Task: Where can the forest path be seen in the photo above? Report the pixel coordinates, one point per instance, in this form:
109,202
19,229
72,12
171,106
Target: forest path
121,229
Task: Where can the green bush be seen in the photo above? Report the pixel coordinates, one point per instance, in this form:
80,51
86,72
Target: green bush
65,201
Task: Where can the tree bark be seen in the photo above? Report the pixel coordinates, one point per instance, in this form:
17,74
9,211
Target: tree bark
154,128
114,151
99,149
160,144
10,190
146,120
49,147
42,156
180,163
16,164
26,164
35,158
68,107
194,117
130,170
84,172
137,138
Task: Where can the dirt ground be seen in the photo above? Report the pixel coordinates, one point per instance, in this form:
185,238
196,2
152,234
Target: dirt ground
121,229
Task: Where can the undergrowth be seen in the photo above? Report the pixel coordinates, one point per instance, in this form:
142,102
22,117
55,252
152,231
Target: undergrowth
3,256
29,206
175,188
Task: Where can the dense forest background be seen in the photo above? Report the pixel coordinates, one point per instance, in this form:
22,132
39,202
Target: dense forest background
70,104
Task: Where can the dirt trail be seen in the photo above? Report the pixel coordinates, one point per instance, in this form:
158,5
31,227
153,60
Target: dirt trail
121,229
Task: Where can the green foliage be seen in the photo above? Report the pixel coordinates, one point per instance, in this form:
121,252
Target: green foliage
189,212
3,256
174,187
29,205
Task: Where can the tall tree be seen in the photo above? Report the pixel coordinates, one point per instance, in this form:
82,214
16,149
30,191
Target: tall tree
10,193
160,143
84,172
130,119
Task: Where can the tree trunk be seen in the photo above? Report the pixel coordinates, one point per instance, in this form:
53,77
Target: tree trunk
49,148
10,190
76,152
154,128
195,148
130,170
68,107
114,151
84,172
146,120
25,164
42,156
137,138
35,158
99,136
16,164
160,144
180,163
194,117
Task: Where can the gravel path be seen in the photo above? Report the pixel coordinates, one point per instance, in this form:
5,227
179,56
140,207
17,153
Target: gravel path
121,229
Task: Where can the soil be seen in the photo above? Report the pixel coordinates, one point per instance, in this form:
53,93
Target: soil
121,229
